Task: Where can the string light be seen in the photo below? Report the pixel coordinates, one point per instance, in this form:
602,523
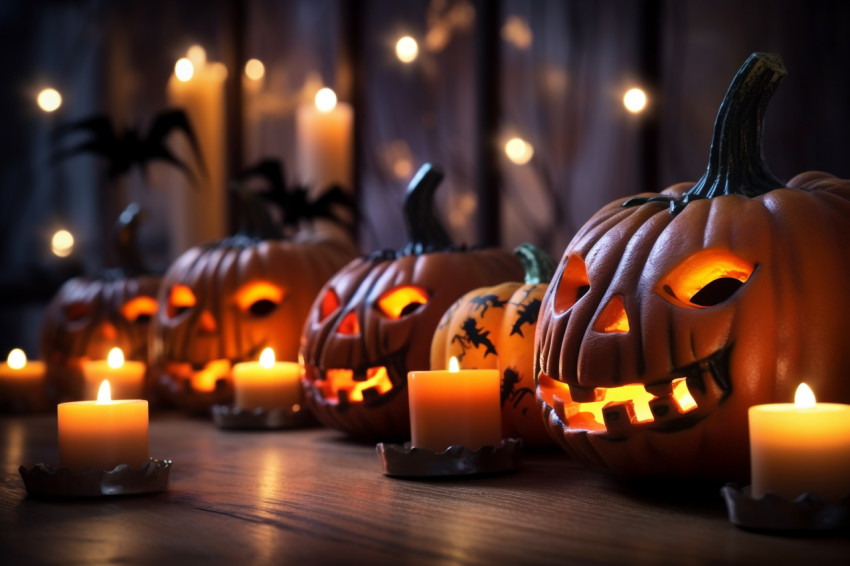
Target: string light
49,99
635,100
62,243
406,49
254,69
519,151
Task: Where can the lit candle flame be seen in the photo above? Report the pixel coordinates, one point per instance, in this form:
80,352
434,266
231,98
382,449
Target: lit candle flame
104,394
184,69
115,359
267,358
804,398
17,359
325,99
453,365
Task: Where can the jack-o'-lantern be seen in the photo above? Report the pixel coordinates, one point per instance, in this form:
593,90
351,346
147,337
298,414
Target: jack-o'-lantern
224,302
493,328
88,316
374,320
671,314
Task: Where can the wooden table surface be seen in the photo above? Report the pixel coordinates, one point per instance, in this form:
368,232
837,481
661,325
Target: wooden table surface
313,497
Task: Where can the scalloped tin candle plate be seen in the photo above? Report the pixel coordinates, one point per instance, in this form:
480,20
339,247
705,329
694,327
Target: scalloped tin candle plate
43,480
776,513
406,461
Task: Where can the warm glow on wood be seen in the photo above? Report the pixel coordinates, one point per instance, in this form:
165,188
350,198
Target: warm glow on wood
325,100
804,398
104,394
115,358
267,358
406,49
16,359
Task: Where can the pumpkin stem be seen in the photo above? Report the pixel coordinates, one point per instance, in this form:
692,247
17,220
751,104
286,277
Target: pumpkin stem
736,164
539,267
424,230
254,218
126,241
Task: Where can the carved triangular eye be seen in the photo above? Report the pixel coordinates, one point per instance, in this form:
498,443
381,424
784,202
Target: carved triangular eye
705,279
573,285
259,298
180,299
401,301
330,302
139,309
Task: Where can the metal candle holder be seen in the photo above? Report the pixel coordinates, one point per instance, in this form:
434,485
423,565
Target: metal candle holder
808,512
408,461
43,480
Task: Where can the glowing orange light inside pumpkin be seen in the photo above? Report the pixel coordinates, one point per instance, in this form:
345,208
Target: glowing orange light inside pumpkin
613,317
330,302
249,294
804,397
394,302
139,306
349,325
115,358
181,297
690,276
589,415
574,282
205,379
337,380
104,393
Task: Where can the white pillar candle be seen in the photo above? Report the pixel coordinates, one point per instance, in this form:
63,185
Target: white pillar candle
267,384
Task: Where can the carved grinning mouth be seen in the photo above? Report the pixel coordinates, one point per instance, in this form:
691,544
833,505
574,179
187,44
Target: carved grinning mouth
665,406
200,377
344,386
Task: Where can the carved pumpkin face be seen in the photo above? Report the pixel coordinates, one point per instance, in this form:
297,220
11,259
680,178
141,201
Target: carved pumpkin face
373,321
225,302
493,328
671,315
87,318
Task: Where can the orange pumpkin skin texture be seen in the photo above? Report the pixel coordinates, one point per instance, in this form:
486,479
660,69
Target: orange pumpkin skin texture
493,328
373,322
743,296
223,303
89,316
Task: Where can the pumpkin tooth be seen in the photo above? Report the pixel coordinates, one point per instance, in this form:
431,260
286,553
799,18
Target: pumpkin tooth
660,389
619,417
664,408
584,394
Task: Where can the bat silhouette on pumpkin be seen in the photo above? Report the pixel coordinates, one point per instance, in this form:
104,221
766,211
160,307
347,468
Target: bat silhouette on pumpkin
130,147
293,201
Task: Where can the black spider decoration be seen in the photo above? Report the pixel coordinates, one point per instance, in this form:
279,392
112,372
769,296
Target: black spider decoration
130,147
334,204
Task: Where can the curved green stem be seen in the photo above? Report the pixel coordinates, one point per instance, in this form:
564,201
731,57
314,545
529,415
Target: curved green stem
538,266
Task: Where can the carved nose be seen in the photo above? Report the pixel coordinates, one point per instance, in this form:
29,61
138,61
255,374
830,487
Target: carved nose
613,317
349,325
207,324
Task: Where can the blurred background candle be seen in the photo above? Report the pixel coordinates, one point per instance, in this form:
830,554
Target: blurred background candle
103,433
126,377
324,145
267,383
455,407
198,213
800,447
21,382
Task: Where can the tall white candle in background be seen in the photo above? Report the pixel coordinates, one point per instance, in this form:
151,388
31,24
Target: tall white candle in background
197,86
800,447
324,144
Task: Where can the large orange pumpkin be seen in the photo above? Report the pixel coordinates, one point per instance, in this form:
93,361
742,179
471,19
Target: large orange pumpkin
88,316
224,302
493,328
373,321
671,314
